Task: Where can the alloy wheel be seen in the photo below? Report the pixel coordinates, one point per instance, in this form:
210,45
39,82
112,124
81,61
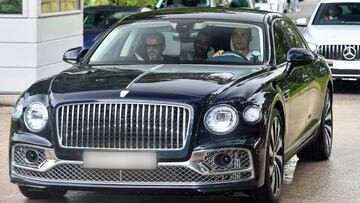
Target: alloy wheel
276,160
328,124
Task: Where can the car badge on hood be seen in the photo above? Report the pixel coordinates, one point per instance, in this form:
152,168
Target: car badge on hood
123,93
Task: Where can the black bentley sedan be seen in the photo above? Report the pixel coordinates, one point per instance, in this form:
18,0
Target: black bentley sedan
194,100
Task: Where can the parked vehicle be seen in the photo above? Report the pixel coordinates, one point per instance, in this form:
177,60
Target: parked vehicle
99,18
272,5
333,32
140,111
204,3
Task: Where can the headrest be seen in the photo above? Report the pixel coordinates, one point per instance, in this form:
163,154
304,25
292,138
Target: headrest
172,45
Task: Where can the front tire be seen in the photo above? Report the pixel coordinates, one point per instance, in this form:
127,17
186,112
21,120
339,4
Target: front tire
321,149
36,193
274,168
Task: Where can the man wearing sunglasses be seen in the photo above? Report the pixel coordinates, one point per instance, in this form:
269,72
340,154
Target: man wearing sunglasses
155,46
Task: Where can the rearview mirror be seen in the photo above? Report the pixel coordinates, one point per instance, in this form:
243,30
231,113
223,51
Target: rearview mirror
74,55
301,22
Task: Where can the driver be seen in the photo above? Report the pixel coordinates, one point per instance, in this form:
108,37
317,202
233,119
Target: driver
240,40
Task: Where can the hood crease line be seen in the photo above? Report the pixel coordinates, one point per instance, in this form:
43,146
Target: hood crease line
142,75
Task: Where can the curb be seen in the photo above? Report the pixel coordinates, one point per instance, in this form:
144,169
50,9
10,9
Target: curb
8,100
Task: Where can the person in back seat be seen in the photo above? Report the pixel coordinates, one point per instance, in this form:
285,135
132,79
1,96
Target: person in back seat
202,46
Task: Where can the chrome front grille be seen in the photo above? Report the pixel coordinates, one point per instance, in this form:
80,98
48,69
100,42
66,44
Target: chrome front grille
336,52
128,126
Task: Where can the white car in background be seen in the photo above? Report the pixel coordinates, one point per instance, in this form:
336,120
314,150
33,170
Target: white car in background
272,5
336,37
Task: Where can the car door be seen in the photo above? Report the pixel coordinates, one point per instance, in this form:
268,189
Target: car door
313,93
313,71
293,87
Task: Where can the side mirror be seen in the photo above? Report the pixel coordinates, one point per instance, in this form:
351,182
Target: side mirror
74,55
301,22
300,57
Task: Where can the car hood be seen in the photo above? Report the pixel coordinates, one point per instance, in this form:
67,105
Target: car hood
179,83
332,34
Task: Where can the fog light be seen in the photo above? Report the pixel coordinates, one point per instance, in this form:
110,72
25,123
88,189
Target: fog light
223,159
31,156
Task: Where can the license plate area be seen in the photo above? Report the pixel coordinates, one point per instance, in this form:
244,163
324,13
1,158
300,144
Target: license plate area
355,65
120,160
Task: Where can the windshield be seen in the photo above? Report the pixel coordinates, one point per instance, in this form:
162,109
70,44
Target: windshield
203,3
102,19
338,14
182,41
185,3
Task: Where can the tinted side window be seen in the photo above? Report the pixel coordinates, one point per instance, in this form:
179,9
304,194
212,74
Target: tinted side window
295,40
280,42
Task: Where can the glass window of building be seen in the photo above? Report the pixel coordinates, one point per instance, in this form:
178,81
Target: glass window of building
57,6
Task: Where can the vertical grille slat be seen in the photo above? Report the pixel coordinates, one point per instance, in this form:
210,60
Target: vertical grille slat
134,126
177,129
77,125
125,127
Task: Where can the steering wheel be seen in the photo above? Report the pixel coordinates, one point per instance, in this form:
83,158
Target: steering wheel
229,56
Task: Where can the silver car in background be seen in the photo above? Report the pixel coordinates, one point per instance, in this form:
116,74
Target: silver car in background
333,31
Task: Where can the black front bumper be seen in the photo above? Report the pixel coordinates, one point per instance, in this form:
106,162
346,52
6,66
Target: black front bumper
173,177
227,188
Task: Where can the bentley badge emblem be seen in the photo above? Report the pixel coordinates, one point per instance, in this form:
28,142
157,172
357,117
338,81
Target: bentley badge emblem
349,53
123,93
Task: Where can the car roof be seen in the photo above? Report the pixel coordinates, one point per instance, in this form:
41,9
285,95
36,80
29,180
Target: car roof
340,1
113,8
250,15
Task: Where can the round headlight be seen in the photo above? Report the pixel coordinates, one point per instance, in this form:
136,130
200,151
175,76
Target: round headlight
36,116
17,112
252,114
221,119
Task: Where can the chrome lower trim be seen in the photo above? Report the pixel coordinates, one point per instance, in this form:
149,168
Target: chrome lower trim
345,75
195,171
